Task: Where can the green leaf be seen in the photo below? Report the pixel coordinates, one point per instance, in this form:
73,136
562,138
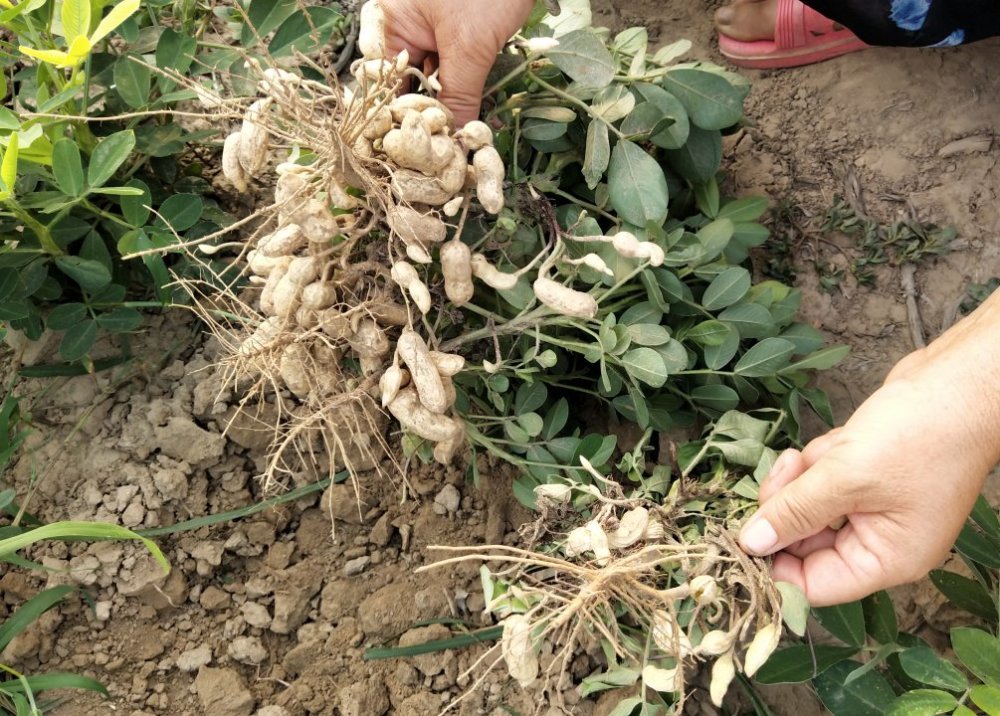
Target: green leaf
794,607
718,357
713,237
648,334
646,366
751,320
78,340
709,333
8,166
30,611
58,680
583,56
880,618
922,702
75,19
90,275
978,547
979,651
806,338
987,698
180,212
922,664
711,101
846,622
108,155
175,51
764,359
132,81
742,210
540,130
868,695
598,153
66,315
264,17
699,158
121,320
67,167
14,310
135,208
304,31
965,593
820,360
802,662
638,187
726,289
986,517
716,397
675,135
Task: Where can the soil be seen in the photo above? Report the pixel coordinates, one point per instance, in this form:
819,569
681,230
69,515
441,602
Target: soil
271,615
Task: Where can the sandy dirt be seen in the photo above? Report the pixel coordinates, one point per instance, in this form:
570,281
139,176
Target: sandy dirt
271,615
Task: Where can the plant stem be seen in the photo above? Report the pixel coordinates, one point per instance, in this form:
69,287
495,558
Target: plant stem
566,96
40,230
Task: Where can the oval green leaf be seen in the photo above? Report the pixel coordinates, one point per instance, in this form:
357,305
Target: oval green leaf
638,187
765,359
646,366
584,58
108,155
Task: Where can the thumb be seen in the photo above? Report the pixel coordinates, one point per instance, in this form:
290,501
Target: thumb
801,509
463,76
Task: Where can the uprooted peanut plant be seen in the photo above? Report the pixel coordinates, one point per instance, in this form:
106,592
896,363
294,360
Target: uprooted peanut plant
472,281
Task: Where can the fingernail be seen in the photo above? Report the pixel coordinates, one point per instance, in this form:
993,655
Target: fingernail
780,465
759,537
724,15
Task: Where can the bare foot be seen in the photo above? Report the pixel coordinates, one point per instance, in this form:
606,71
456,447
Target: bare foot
748,20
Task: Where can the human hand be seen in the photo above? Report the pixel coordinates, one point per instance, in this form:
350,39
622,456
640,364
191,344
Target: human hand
464,35
905,471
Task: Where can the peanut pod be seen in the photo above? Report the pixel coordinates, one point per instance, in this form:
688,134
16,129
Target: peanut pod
407,279
286,241
254,137
318,295
490,174
417,419
413,351
444,451
231,167
273,279
417,102
295,371
262,337
491,275
564,300
456,266
415,188
474,136
416,227
628,246
371,31
448,364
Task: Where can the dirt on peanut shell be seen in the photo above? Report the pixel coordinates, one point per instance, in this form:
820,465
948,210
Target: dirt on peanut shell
270,615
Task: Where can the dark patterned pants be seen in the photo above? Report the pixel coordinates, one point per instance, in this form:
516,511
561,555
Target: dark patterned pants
915,23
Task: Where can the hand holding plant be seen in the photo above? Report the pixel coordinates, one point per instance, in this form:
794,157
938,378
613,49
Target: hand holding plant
905,470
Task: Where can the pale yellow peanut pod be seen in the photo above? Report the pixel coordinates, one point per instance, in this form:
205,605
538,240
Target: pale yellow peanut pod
306,318
443,150
765,641
416,227
654,531
294,369
715,643
578,541
231,167
387,313
456,266
518,650
453,176
390,384
660,679
563,299
559,494
279,84
287,297
435,119
415,188
371,31
254,138
369,341
597,263
273,280
629,246
363,148
262,337
373,70
378,123
289,187
410,145
447,364
304,270
705,590
286,241
474,136
599,543
454,206
418,254
407,279
318,295
417,419
317,222
491,275
261,265
723,673
630,529
445,451
418,102
338,197
413,352
450,394
669,637
490,173
335,324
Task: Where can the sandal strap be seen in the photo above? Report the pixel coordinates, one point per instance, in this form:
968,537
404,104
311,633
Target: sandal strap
797,23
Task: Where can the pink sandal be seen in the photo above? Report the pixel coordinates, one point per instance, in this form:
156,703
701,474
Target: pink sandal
801,37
